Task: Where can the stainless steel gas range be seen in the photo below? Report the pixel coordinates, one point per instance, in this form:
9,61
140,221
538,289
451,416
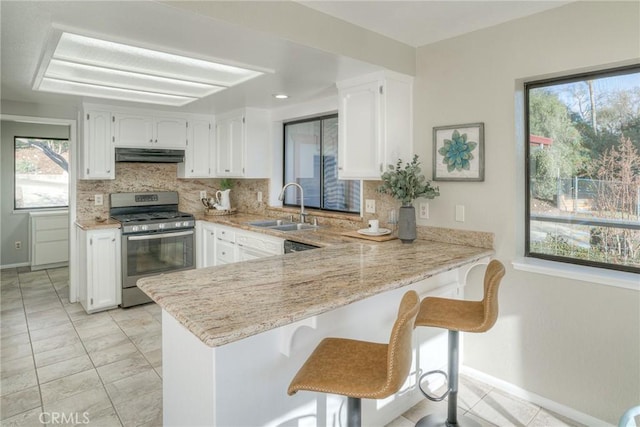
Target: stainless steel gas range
156,238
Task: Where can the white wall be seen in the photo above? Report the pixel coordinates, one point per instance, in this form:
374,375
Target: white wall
573,342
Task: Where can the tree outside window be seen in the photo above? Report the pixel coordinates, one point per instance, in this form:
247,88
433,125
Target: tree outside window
583,169
41,173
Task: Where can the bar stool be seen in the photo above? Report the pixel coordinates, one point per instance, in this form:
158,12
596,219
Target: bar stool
360,369
456,316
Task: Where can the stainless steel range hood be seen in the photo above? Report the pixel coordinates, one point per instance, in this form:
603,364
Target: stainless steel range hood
149,155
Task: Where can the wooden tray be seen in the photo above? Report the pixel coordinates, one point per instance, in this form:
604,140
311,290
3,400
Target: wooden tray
357,235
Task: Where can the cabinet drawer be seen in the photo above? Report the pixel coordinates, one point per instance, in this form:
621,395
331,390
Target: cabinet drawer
225,252
274,246
226,235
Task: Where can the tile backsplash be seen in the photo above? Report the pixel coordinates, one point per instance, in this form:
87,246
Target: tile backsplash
137,177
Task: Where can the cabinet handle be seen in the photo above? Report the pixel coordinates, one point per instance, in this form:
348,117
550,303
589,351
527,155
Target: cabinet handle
226,170
339,168
224,253
113,240
380,167
191,170
151,141
109,171
156,141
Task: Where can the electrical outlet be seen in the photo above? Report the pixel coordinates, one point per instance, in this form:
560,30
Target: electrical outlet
98,201
370,206
424,210
203,195
460,213
18,244
259,196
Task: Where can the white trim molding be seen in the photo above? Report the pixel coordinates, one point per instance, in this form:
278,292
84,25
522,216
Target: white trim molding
618,279
536,399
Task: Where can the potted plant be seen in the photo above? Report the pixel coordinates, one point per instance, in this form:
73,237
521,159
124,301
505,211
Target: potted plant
407,184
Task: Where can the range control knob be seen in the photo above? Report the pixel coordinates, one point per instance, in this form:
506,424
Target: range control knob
135,228
161,226
178,224
185,224
144,227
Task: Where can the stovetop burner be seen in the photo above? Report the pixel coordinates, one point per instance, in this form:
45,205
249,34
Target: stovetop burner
149,212
151,216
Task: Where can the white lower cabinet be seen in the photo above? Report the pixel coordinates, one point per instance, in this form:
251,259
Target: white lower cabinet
219,245
100,269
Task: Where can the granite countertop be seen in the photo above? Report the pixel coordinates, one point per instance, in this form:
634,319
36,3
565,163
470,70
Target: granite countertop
323,236
95,224
223,304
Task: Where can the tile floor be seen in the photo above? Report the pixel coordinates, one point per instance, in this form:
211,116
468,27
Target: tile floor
54,358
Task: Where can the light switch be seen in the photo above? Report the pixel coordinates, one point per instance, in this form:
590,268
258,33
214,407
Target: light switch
460,213
98,199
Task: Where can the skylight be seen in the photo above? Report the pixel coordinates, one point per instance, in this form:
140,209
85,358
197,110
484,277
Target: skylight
86,66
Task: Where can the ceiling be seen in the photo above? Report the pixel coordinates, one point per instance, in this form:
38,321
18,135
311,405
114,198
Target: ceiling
418,23
303,72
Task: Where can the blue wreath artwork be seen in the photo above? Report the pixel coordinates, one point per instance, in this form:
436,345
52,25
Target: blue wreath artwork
457,152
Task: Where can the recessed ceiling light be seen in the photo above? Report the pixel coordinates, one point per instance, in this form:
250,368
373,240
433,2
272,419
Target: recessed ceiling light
81,65
281,96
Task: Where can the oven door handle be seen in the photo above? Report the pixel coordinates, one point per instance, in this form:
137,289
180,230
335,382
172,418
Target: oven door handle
160,236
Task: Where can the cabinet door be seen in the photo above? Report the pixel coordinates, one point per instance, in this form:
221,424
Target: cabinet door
208,247
170,133
103,279
98,151
133,131
360,135
199,151
225,252
230,147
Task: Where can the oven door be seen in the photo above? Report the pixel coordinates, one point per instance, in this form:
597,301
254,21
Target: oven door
150,254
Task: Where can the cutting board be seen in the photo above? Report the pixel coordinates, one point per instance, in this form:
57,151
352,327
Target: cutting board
357,235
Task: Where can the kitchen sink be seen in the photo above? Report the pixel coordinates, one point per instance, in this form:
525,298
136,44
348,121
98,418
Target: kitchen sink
269,223
293,227
281,225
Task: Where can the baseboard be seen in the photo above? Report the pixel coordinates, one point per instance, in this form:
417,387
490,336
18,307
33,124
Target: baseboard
549,404
16,265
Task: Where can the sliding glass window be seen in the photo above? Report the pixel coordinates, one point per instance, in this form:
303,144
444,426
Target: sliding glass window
311,160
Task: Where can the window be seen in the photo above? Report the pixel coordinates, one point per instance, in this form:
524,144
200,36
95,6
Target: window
583,169
311,160
41,173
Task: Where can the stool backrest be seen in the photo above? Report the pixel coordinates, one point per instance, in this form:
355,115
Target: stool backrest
492,277
399,352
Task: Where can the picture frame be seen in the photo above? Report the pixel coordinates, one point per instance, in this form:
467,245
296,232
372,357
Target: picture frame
450,163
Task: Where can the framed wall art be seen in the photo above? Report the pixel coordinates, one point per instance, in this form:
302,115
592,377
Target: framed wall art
458,152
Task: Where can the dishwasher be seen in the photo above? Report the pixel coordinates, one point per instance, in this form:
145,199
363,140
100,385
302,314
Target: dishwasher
291,246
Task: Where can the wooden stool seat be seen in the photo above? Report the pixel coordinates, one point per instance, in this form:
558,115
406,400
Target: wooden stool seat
361,369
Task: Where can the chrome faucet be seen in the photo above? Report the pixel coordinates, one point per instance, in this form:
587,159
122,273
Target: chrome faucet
303,214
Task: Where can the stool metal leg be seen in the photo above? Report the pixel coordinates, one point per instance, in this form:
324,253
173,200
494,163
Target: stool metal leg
451,419
354,412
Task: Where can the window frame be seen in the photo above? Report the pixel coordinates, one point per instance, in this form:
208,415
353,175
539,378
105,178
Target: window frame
284,159
15,181
528,85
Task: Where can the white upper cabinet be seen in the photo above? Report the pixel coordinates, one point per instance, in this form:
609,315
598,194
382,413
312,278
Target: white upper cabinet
146,131
96,147
200,150
243,141
375,124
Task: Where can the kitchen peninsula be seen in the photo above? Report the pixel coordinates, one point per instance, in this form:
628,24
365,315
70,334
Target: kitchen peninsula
234,335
